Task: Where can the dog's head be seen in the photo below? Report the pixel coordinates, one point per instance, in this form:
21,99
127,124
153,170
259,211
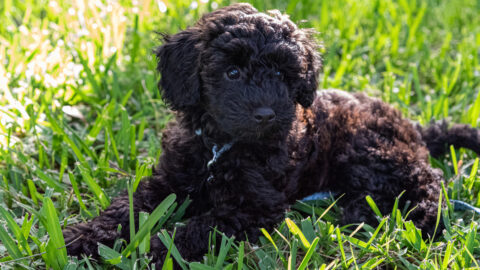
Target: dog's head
246,70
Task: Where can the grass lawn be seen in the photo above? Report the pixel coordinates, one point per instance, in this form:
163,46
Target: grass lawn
81,119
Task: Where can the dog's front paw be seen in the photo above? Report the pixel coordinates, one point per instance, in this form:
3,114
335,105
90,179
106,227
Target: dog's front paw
81,239
158,251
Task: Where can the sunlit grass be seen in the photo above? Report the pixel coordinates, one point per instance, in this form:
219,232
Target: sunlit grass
81,118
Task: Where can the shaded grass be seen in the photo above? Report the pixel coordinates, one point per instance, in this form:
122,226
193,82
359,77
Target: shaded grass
81,118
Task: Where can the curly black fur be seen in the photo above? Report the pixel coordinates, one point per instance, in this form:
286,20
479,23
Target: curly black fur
343,142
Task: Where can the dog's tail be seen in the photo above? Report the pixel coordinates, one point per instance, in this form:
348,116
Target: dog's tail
438,136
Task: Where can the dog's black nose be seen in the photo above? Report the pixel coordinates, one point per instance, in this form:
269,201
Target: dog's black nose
264,115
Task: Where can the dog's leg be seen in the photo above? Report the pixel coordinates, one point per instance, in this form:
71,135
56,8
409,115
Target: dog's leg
424,198
423,213
241,213
192,240
384,180
84,238
356,210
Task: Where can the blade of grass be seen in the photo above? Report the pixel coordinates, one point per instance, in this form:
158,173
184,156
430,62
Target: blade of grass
340,246
168,242
297,232
222,254
149,223
292,259
94,187
9,244
17,232
77,193
308,255
144,246
56,251
373,205
241,253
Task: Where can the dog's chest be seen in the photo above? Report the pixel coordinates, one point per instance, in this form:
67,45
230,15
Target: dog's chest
239,175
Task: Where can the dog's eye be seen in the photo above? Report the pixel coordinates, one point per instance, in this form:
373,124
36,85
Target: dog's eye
233,73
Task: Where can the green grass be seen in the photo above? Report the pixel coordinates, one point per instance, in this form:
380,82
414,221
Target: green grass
81,118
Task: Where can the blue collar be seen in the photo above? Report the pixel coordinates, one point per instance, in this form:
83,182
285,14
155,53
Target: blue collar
216,154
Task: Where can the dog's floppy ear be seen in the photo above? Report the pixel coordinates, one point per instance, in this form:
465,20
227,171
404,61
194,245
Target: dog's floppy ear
178,64
308,86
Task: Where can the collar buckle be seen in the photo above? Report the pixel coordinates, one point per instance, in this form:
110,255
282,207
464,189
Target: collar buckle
216,154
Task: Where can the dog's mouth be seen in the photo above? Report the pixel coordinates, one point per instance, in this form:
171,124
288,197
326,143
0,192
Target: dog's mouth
244,127
257,133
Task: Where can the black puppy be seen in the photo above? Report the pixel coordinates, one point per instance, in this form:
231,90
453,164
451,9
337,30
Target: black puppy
251,138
